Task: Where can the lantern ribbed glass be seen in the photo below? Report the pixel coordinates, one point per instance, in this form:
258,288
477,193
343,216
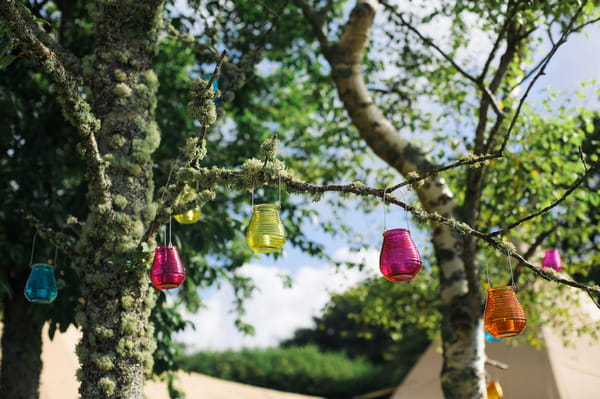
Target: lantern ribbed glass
41,284
265,233
494,390
188,217
504,317
399,259
167,269
552,260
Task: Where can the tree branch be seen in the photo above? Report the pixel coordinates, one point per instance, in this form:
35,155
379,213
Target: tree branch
511,13
468,161
593,167
252,57
45,52
316,24
28,32
541,72
186,159
478,82
58,239
269,174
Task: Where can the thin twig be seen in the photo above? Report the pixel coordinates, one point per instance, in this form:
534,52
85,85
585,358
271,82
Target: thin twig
58,239
217,69
478,82
511,12
531,250
541,72
463,162
316,24
594,166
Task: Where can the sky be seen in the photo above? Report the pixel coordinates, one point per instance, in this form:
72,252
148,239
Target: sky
275,311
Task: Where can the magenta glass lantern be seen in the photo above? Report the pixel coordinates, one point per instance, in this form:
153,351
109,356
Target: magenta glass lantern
552,260
399,259
167,269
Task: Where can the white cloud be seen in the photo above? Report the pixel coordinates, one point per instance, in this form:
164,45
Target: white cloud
274,311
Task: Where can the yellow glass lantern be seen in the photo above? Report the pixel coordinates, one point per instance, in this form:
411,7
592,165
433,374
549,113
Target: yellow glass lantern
494,390
188,217
192,215
265,233
504,317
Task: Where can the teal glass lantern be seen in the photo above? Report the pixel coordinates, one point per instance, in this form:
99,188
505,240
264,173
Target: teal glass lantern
41,284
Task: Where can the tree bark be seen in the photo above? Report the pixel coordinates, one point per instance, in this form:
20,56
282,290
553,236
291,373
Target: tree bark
117,343
463,374
21,346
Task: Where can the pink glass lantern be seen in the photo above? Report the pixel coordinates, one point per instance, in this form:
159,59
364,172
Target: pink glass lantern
167,269
399,259
552,260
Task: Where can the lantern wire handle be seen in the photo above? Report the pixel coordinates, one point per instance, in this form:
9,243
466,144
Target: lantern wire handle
279,190
384,212
512,279
55,255
32,248
170,222
487,271
384,224
164,234
405,211
252,196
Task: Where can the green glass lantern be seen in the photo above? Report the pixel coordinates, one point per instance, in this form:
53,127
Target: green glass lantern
265,233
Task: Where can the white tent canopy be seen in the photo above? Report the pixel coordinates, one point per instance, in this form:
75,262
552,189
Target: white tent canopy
552,372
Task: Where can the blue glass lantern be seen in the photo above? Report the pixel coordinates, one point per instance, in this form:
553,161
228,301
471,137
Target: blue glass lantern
41,284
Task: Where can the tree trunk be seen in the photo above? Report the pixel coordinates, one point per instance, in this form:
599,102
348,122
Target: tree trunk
463,373
117,343
21,347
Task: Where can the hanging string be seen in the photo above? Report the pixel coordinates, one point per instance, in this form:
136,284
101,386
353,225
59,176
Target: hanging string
279,190
32,248
487,271
164,234
170,222
512,278
384,223
384,210
55,255
252,195
405,211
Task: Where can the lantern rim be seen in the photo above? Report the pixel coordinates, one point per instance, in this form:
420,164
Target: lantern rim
165,246
41,265
501,288
267,205
395,231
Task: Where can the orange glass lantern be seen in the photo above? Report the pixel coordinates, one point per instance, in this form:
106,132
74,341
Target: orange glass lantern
504,317
494,390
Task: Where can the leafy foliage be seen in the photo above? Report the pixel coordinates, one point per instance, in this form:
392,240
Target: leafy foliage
295,369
